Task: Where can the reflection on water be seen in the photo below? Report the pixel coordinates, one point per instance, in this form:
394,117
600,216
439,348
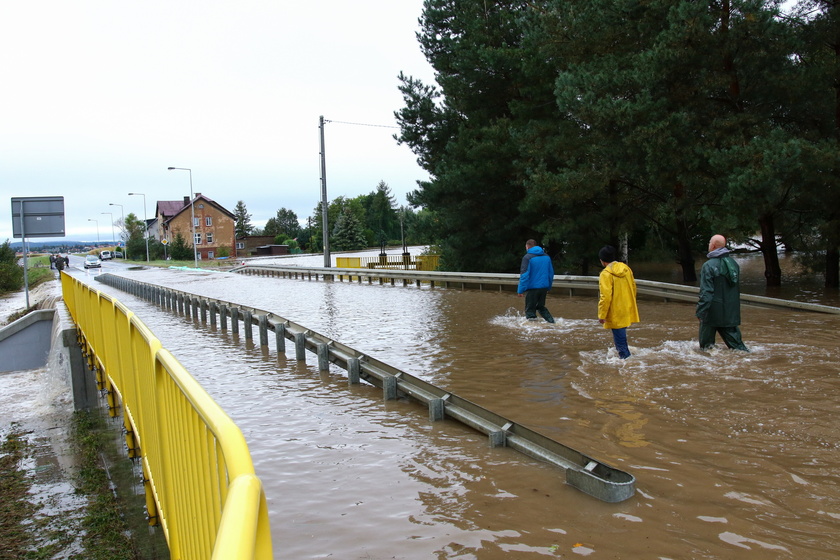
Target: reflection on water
734,453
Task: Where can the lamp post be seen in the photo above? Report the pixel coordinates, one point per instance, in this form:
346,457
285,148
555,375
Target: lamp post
192,210
113,237
145,222
97,229
123,223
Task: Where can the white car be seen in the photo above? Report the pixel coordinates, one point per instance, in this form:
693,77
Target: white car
105,255
92,261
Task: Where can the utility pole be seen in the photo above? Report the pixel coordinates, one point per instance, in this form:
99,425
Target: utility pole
324,203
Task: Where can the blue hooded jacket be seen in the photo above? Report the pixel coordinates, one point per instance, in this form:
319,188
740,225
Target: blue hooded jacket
536,270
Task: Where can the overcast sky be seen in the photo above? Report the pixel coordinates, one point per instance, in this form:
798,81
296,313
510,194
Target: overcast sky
98,98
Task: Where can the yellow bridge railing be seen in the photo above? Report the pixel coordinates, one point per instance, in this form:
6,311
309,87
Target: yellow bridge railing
390,262
199,477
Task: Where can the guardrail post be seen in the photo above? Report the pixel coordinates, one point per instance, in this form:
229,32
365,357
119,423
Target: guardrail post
323,357
203,310
497,439
223,315
196,304
213,309
179,298
300,346
389,387
234,320
280,336
437,409
247,322
263,324
354,370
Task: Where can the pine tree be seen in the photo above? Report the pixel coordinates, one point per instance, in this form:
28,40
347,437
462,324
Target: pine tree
348,234
243,227
179,250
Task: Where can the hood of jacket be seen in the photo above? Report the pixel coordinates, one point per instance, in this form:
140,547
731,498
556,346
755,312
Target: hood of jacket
617,269
536,250
728,267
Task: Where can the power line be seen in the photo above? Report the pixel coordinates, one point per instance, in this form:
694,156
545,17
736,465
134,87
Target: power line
362,124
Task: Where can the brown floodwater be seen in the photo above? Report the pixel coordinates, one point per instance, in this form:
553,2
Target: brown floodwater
733,453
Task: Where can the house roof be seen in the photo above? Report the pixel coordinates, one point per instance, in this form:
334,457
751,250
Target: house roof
171,208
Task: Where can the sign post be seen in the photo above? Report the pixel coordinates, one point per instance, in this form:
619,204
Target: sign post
36,216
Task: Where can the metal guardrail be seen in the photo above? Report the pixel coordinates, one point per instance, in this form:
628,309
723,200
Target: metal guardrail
582,471
198,473
508,282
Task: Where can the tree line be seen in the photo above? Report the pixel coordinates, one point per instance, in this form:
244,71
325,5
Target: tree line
647,124
369,220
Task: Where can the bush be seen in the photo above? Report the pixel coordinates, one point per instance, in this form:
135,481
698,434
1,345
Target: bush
11,275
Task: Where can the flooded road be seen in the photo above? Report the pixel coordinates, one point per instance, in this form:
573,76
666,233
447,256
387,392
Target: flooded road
734,454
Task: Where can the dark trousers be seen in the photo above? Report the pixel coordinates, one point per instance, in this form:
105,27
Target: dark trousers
535,303
731,337
620,341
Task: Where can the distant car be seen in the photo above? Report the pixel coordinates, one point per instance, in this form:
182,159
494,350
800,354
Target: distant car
105,255
92,261
118,254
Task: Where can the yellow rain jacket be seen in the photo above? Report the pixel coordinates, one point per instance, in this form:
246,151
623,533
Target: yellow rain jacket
617,302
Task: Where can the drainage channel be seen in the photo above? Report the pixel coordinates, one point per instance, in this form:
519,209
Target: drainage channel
583,472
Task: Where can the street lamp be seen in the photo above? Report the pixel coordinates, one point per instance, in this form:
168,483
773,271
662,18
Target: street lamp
145,222
113,237
192,210
97,229
123,223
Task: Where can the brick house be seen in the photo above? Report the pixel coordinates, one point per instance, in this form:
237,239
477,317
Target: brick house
214,225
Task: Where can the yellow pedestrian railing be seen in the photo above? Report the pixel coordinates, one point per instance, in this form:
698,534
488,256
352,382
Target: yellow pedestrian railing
199,477
390,262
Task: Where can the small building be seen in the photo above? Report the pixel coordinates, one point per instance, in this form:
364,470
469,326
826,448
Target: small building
247,246
213,226
270,250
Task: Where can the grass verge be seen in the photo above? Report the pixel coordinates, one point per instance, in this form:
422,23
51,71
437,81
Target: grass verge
15,539
106,533
34,529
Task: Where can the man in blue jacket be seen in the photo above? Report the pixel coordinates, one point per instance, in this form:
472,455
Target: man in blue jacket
536,275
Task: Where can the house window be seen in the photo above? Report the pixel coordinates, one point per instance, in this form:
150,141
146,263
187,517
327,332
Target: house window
208,221
197,239
196,221
209,238
240,244
211,255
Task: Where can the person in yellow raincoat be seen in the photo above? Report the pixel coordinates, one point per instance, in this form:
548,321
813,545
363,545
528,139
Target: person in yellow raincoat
617,307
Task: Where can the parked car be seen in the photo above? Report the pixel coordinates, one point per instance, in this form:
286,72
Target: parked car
92,261
105,255
118,254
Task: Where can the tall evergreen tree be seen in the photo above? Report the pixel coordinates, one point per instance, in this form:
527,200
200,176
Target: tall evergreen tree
461,131
243,226
818,26
348,232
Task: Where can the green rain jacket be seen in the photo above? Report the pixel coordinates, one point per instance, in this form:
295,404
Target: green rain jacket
720,296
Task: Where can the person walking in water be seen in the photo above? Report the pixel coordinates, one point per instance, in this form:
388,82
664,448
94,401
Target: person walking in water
719,305
617,307
536,275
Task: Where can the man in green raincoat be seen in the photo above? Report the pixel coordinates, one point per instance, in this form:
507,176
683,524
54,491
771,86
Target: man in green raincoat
719,306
